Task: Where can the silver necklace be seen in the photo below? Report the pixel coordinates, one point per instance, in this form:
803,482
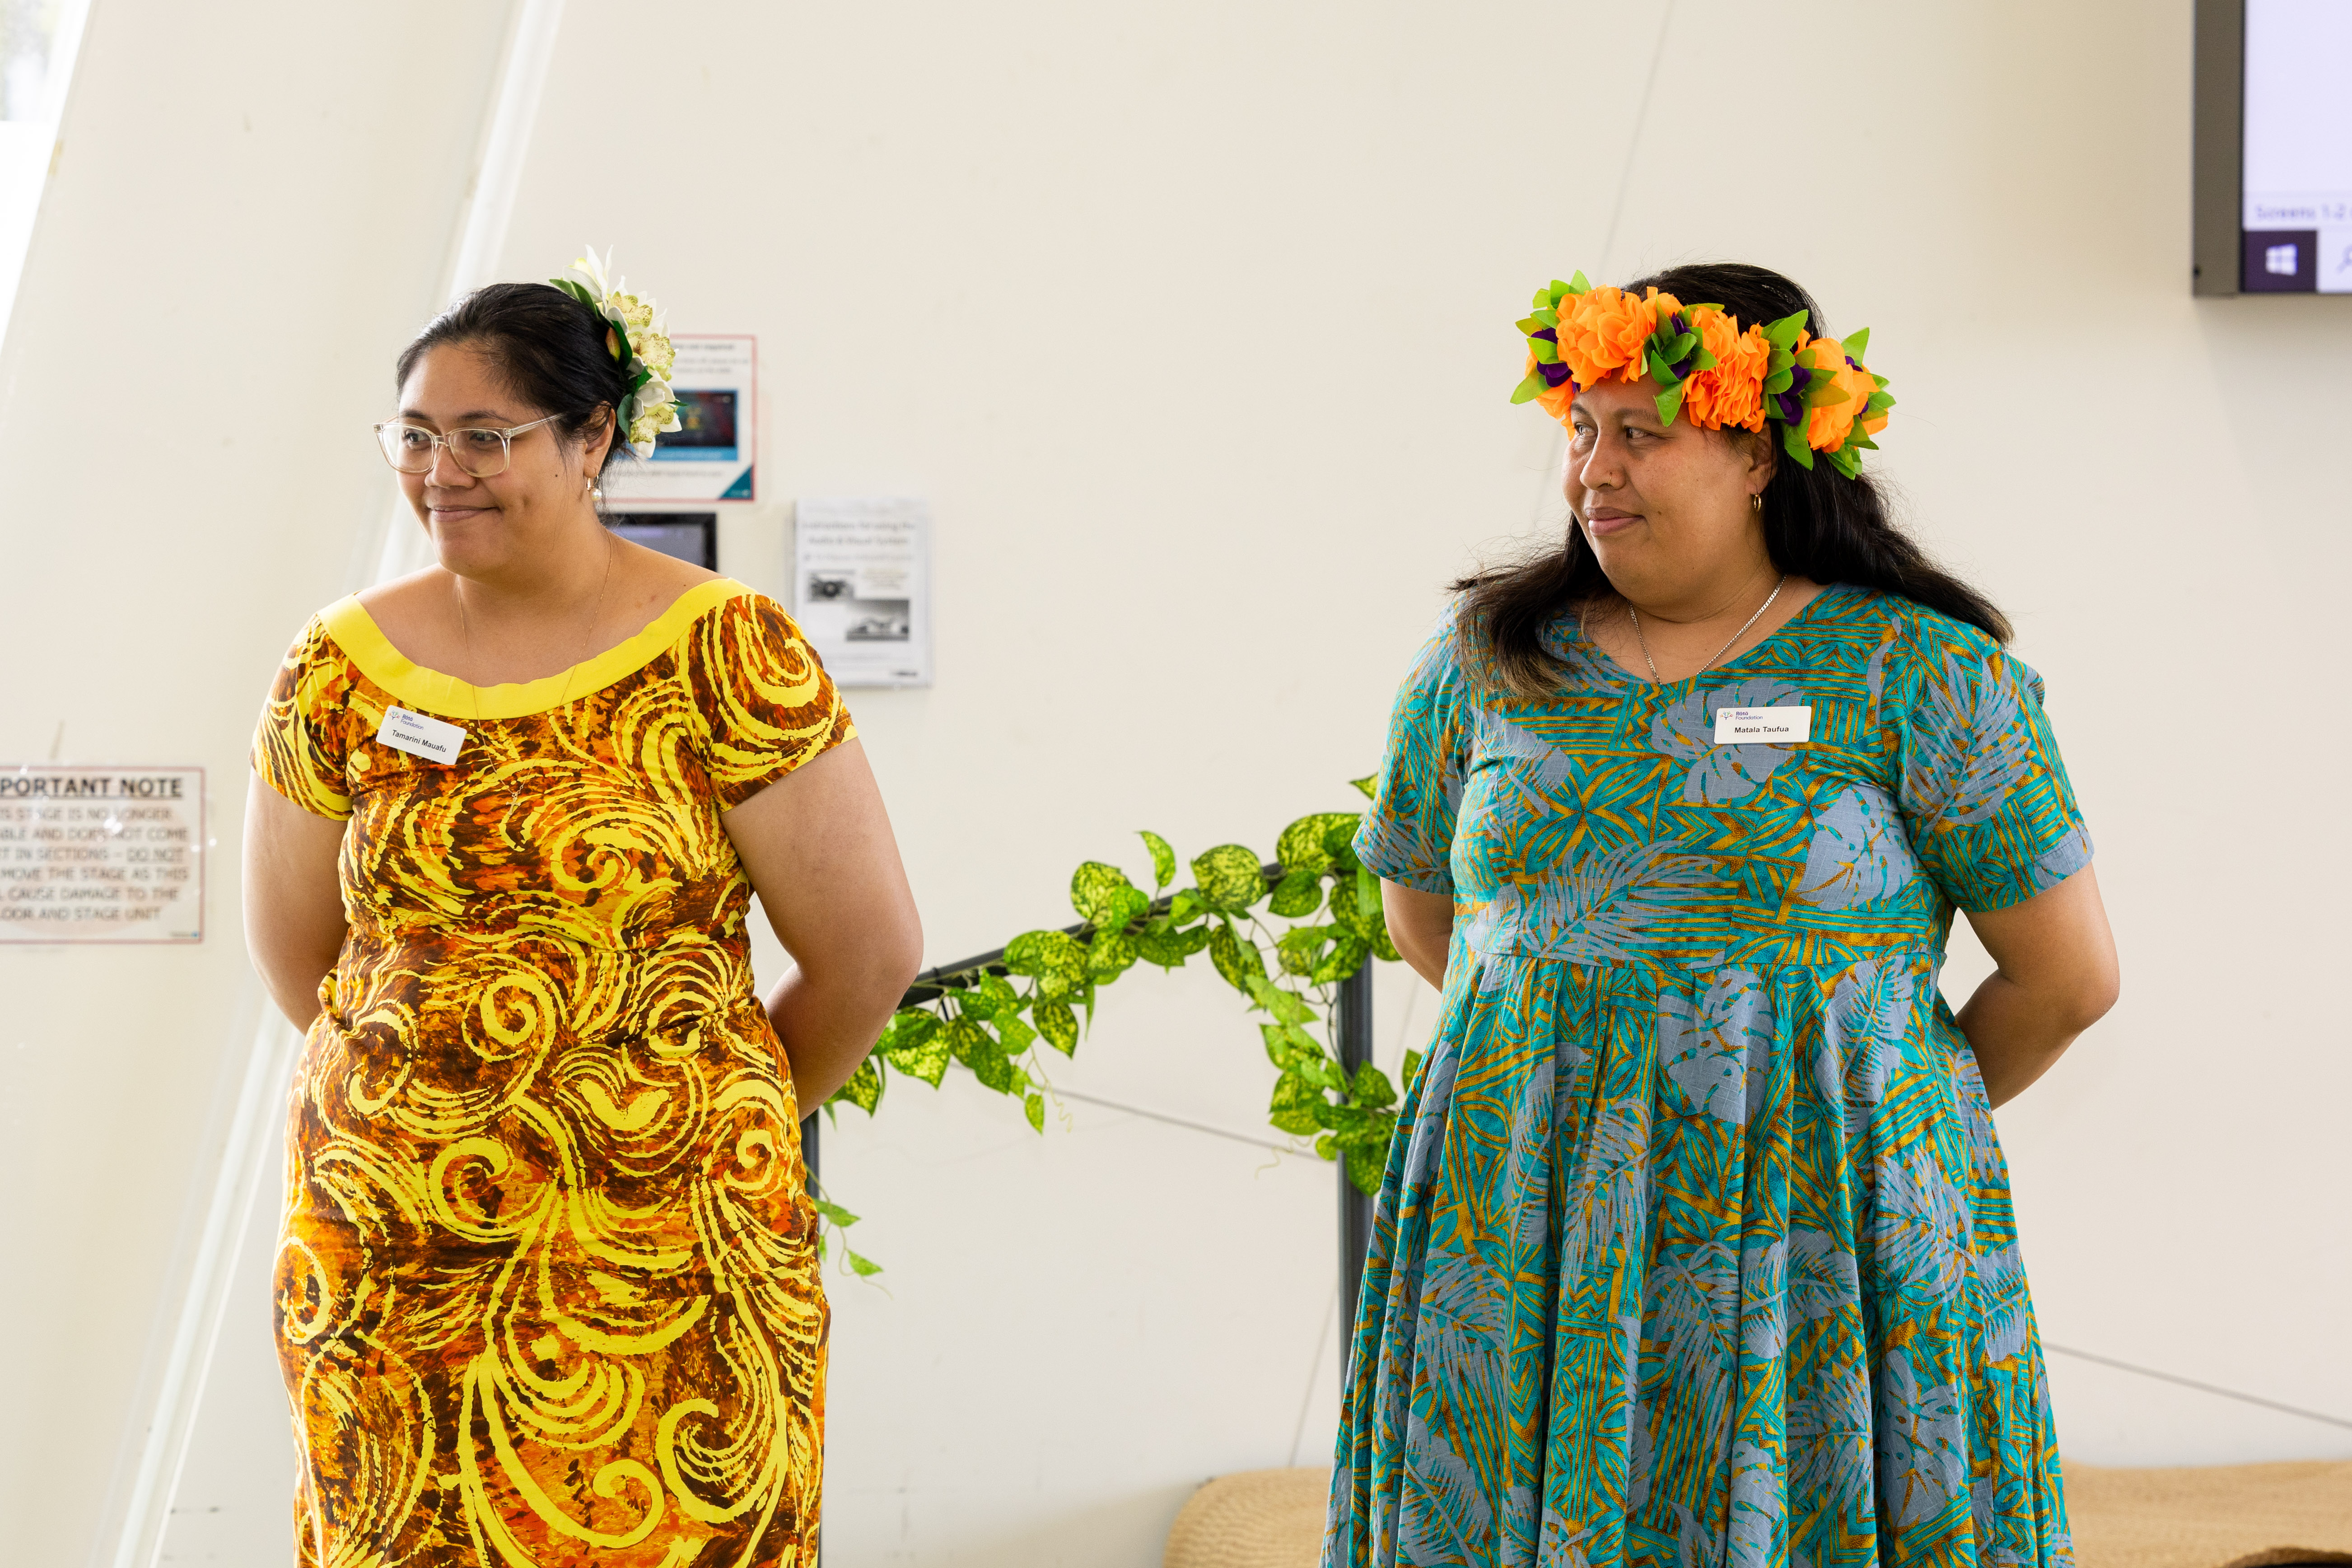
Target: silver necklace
587,636
1702,669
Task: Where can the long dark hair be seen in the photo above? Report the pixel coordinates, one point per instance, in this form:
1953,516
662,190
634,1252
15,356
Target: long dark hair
1817,523
546,346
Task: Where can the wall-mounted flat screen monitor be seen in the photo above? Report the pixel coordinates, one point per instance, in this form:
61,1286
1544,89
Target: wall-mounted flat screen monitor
2274,147
688,535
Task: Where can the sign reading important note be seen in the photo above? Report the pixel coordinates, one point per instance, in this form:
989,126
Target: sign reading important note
102,854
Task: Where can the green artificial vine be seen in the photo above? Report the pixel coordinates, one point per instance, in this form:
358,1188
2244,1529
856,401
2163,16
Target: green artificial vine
988,1017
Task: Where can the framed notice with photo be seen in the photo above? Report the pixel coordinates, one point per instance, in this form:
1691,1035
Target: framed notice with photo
708,458
102,854
862,588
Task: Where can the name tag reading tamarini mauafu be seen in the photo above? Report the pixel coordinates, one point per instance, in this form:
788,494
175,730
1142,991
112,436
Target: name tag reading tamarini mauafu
1762,726
420,735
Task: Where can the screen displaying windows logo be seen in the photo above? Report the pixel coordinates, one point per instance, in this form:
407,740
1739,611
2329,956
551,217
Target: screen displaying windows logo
2279,261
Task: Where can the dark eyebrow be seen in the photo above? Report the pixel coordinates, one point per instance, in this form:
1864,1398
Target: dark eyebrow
492,414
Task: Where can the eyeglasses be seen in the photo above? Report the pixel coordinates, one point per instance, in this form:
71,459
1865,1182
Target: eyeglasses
481,453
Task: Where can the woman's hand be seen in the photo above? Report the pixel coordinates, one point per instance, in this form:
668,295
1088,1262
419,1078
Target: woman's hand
1421,926
293,909
818,849
2055,976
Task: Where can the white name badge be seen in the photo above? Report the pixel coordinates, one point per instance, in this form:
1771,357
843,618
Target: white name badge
1762,726
420,735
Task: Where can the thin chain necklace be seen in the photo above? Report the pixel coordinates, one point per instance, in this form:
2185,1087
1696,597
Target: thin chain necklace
1702,669
587,636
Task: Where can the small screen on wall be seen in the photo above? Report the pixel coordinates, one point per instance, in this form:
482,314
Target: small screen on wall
706,429
2295,230
691,536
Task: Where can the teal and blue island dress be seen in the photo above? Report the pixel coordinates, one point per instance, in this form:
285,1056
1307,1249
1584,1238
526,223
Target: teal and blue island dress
1695,1247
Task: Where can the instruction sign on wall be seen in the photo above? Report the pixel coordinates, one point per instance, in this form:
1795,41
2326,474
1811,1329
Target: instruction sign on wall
862,588
103,854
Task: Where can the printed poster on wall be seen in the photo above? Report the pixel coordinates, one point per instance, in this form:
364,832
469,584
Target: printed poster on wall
862,588
102,854
709,457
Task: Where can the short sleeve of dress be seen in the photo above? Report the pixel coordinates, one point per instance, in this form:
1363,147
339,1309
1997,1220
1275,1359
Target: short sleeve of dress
766,704
1407,837
300,746
1983,792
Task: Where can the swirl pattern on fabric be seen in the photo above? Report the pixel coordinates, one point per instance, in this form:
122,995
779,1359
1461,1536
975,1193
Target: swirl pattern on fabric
1695,1245
547,1288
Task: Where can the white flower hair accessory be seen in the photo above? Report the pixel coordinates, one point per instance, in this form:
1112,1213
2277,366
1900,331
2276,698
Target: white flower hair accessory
638,341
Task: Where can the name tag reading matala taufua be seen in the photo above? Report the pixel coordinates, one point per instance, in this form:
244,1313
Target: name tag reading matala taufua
1762,726
420,735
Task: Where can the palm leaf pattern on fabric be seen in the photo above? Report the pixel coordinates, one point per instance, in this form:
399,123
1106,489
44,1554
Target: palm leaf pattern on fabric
1695,1241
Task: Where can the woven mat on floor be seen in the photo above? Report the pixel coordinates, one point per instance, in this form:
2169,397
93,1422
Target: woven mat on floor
2227,1516
2216,1516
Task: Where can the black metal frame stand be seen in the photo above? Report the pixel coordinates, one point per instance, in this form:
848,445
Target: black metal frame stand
1355,1208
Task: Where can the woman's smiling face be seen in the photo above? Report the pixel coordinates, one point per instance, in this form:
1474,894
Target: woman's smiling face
1659,502
481,524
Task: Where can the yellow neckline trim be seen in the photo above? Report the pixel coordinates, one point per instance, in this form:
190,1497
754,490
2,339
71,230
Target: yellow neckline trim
430,691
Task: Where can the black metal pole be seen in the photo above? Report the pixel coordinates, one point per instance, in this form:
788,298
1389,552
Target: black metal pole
808,1148
1355,1208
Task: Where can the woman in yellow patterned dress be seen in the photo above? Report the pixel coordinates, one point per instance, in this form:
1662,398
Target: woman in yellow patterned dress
547,1283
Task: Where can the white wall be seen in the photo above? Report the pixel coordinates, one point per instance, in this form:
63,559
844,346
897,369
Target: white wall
1193,323
248,203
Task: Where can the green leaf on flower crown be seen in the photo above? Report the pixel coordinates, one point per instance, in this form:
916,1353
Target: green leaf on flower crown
1544,297
578,290
1529,389
1033,1109
1301,947
1238,961
1545,316
864,1089
1879,403
1053,958
1778,382
1792,437
1164,857
1293,1106
1705,360
1576,285
1679,349
1661,372
866,1266
1112,954
1824,393
834,1211
1057,1023
1230,877
1368,784
1298,894
1670,403
1857,344
1545,351
1846,461
1346,957
1782,333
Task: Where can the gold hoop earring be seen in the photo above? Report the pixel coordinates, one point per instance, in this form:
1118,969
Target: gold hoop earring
1755,503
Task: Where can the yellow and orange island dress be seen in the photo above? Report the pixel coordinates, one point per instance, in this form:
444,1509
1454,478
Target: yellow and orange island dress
547,1286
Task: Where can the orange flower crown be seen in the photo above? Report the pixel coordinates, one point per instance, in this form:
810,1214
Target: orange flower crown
1823,396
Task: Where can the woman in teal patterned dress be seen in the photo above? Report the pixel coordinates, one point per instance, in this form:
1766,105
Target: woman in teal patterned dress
1695,1248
